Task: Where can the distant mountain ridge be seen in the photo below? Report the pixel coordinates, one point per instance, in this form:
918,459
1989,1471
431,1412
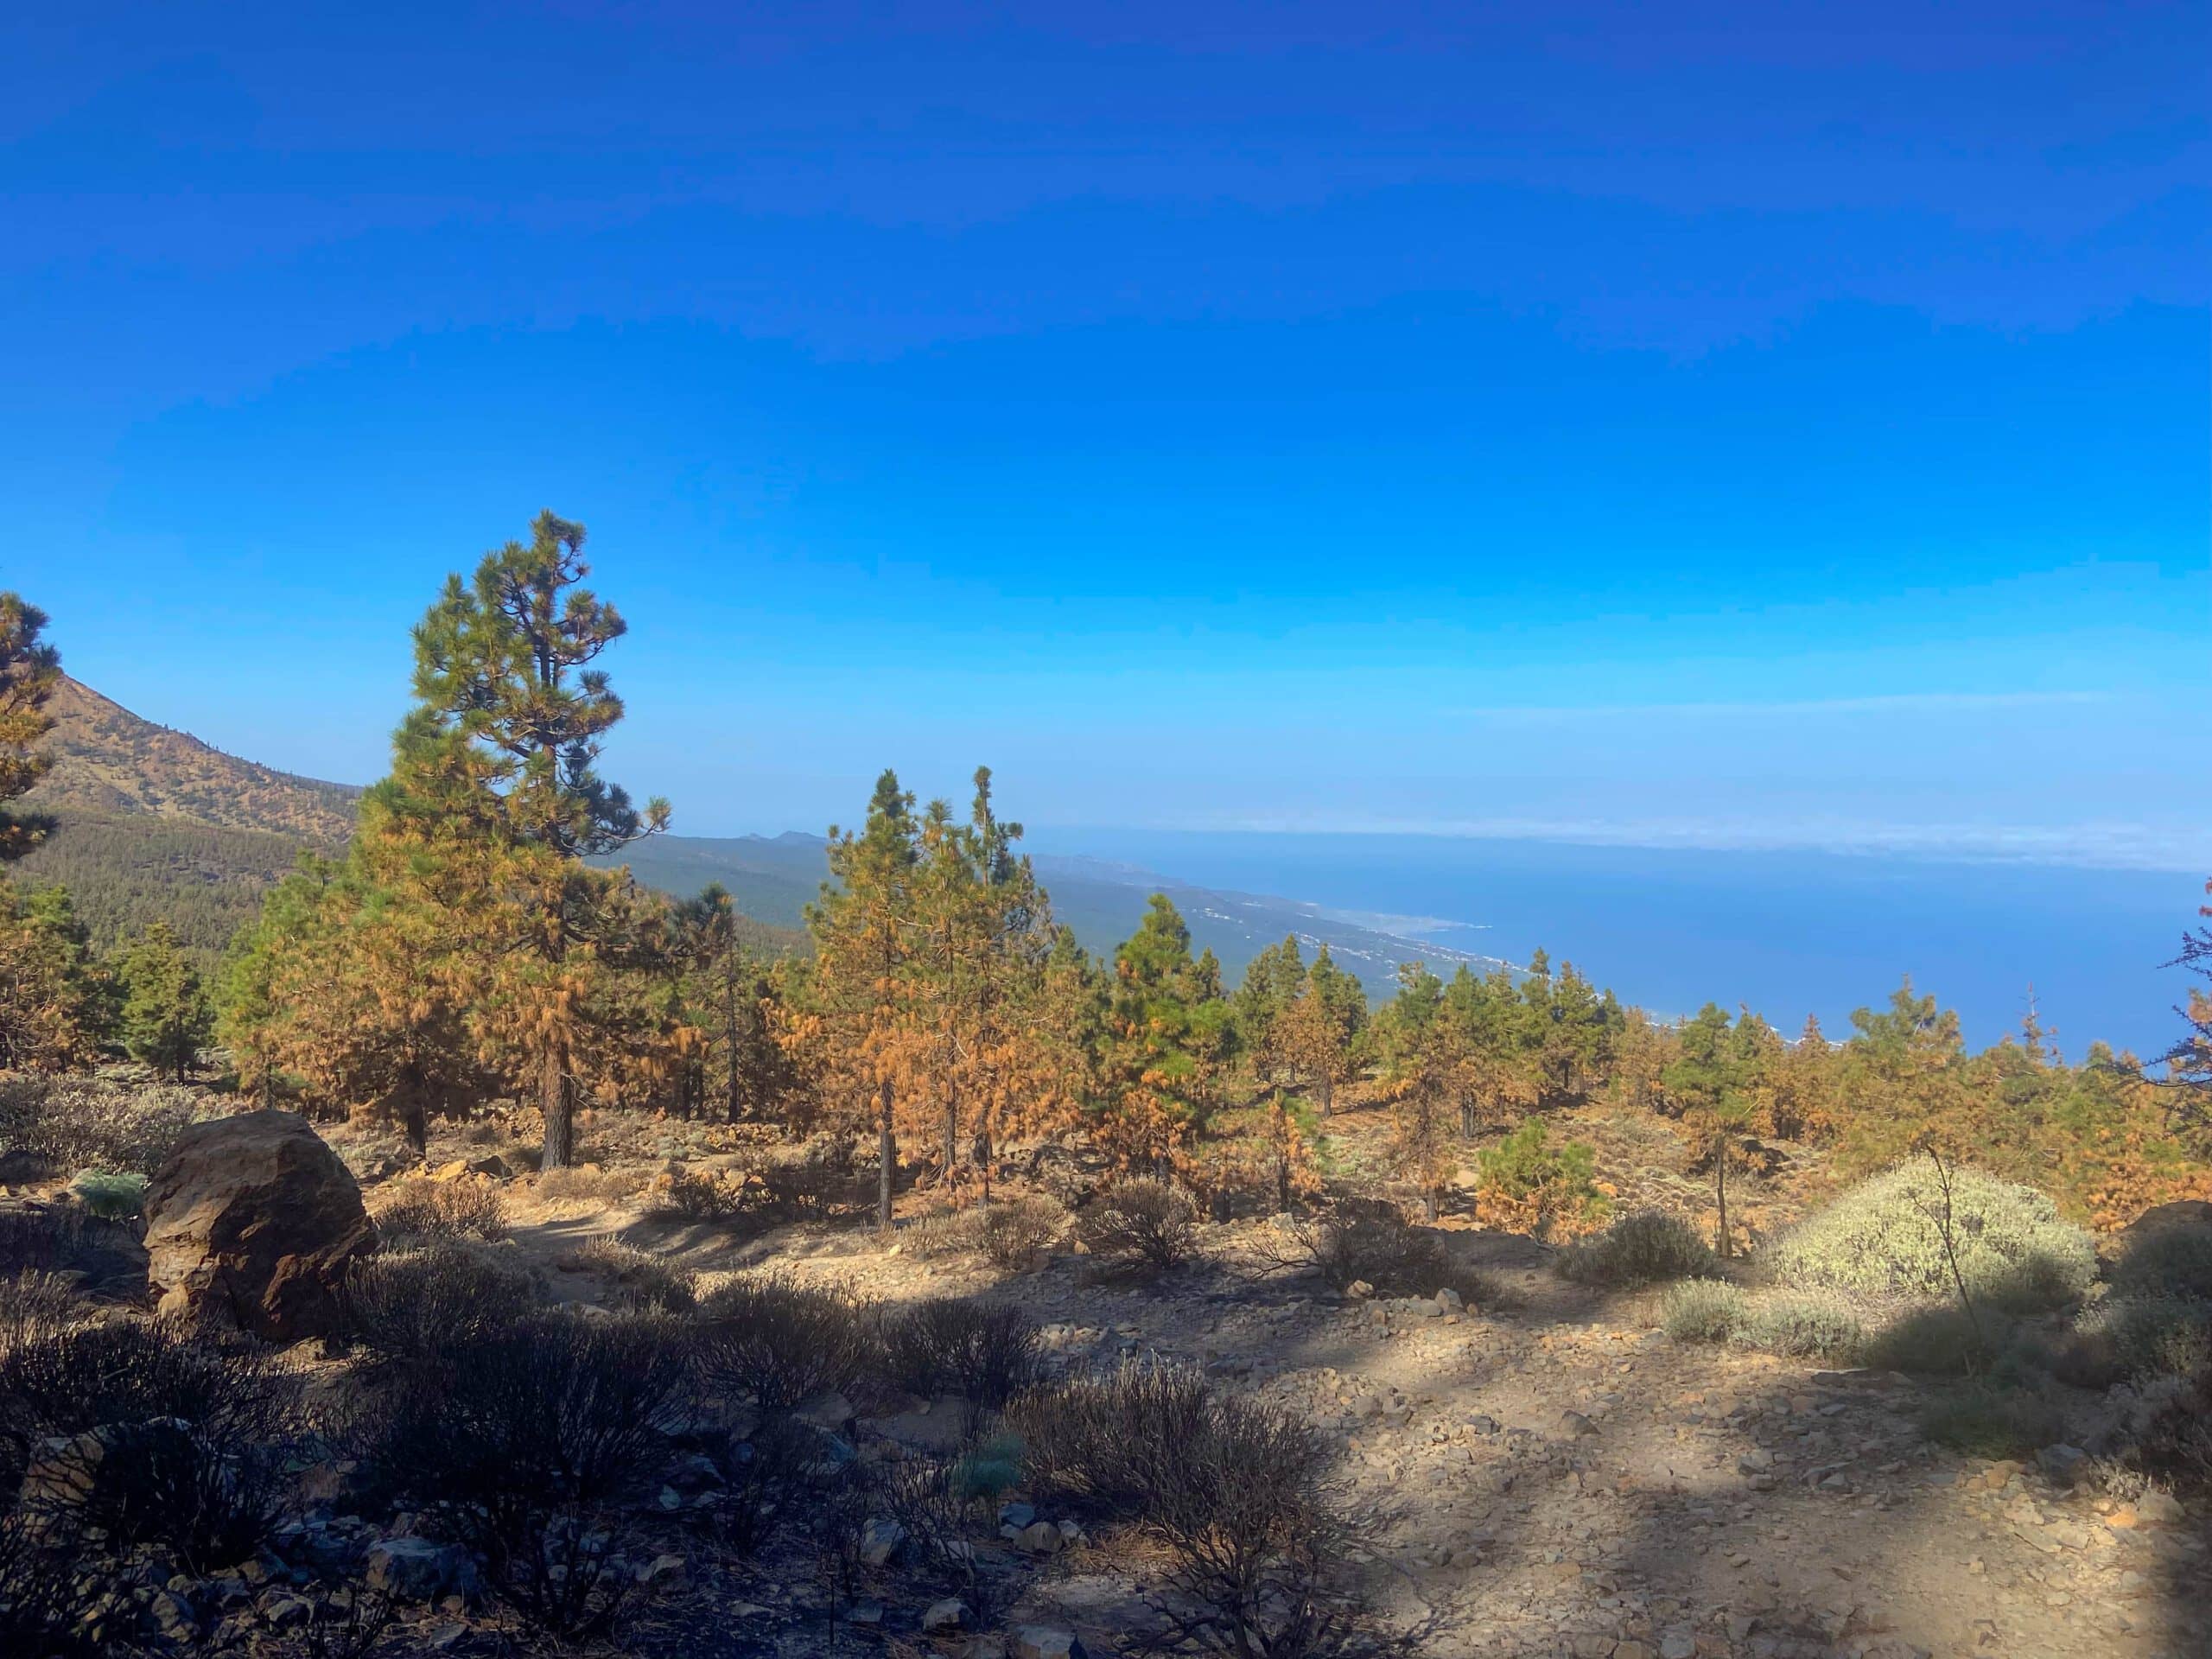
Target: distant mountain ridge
774,877
153,823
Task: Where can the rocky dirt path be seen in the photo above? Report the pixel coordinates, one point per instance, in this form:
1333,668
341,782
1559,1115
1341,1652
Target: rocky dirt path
1565,1480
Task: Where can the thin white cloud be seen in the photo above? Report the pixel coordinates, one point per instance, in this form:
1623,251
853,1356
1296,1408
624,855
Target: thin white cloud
2098,845
1904,703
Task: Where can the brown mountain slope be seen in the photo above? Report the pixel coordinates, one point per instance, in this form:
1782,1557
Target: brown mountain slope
153,824
108,761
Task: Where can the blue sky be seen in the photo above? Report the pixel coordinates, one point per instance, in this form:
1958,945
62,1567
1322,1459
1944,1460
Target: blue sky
1770,426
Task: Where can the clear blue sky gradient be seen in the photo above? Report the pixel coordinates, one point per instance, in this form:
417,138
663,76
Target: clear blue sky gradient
1717,425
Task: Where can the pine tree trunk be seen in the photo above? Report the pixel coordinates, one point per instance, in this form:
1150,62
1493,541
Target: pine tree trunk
729,1029
554,1103
413,1120
1720,1186
1327,1091
951,1129
886,1152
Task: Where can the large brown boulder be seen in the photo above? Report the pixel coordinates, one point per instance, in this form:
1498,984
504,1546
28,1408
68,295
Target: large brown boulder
253,1220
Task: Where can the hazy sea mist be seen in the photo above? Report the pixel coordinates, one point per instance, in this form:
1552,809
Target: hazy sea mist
1786,933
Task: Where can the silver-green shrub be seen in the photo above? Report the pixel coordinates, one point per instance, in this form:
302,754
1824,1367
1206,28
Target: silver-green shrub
1647,1247
1805,1326
1702,1310
1885,1238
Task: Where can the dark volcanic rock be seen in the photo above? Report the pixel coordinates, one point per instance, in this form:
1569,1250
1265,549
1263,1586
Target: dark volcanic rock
253,1219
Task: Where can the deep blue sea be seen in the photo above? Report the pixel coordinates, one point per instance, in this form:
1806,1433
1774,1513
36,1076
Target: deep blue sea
1784,933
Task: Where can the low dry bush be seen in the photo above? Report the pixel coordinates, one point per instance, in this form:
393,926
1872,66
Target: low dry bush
1138,1229
94,1122
2154,1335
1233,1488
1990,1419
936,1234
1648,1247
1887,1238
148,1433
817,1177
590,1183
1352,1241
45,1595
523,1450
710,1197
1014,1233
2175,1261
782,1341
983,1352
1703,1310
637,1277
1942,1339
1804,1326
425,1209
410,1306
2171,1430
1011,1233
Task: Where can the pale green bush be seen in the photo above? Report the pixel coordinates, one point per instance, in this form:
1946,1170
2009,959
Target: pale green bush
1702,1310
1885,1238
1809,1327
1644,1248
112,1195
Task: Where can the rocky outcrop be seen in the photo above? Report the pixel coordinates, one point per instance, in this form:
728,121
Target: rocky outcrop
253,1220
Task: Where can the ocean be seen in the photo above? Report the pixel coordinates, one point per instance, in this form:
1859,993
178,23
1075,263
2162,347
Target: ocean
1784,933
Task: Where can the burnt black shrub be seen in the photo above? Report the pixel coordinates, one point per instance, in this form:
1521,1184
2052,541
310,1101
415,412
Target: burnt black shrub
61,1238
522,1450
782,1341
1138,1229
768,1479
34,1307
1234,1489
983,1352
43,1594
152,1434
413,1305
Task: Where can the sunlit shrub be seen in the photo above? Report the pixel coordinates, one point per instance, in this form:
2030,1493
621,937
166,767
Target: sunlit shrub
1138,1229
1806,1326
1525,1185
1887,1237
1702,1310
426,1209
